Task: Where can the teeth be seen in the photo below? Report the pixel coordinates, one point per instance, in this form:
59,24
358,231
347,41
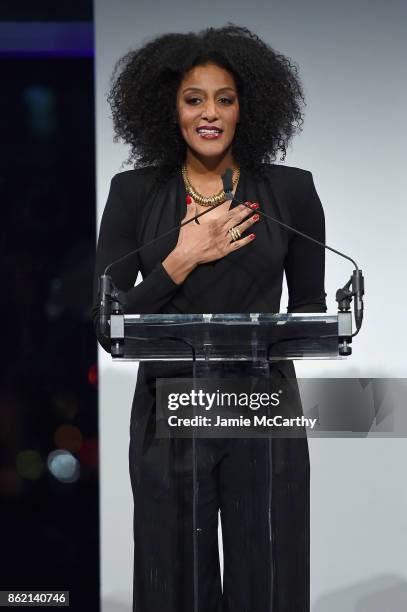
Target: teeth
205,131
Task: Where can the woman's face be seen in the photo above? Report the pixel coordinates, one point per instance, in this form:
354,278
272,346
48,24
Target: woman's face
208,110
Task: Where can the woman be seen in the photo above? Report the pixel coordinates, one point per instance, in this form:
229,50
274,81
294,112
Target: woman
190,106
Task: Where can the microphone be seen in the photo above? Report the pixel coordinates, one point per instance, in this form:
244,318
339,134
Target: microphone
358,286
344,295
227,180
108,293
105,292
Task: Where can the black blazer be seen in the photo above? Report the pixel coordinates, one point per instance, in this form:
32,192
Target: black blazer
139,207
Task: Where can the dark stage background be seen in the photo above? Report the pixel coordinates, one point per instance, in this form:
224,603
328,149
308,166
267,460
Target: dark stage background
49,517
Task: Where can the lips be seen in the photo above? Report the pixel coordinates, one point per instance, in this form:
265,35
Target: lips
209,132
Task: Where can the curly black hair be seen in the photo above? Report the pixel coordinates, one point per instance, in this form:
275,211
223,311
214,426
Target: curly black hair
144,90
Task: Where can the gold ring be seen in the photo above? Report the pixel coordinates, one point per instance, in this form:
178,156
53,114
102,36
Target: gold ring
234,233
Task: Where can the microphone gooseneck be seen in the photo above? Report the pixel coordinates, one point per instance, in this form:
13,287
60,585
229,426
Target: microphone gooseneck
357,280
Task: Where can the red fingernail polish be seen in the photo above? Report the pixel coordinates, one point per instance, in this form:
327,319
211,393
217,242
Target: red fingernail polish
251,236
188,199
256,217
255,206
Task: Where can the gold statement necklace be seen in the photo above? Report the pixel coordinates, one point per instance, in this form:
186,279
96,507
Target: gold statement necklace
218,198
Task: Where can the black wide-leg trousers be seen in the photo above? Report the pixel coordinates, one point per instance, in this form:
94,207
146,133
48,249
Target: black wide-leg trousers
260,487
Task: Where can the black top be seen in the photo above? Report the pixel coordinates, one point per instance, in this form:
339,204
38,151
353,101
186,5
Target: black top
250,279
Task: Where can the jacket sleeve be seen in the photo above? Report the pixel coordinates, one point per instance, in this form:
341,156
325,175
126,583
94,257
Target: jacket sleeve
117,237
305,261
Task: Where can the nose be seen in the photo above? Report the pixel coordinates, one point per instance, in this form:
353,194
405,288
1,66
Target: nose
209,111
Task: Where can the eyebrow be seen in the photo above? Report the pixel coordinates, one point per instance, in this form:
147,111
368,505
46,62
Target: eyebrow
201,90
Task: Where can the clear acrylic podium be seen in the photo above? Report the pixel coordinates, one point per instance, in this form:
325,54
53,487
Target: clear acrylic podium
212,338
232,346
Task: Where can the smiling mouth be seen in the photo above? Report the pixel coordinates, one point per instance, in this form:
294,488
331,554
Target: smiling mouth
209,133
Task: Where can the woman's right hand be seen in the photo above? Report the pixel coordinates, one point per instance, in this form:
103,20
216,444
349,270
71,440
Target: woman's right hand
209,240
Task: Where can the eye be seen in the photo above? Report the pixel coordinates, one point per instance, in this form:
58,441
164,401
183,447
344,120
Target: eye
195,100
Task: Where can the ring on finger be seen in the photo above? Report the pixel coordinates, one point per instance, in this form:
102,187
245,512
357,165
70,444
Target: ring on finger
234,233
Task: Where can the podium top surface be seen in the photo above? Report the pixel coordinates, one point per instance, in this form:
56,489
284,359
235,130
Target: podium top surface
227,336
